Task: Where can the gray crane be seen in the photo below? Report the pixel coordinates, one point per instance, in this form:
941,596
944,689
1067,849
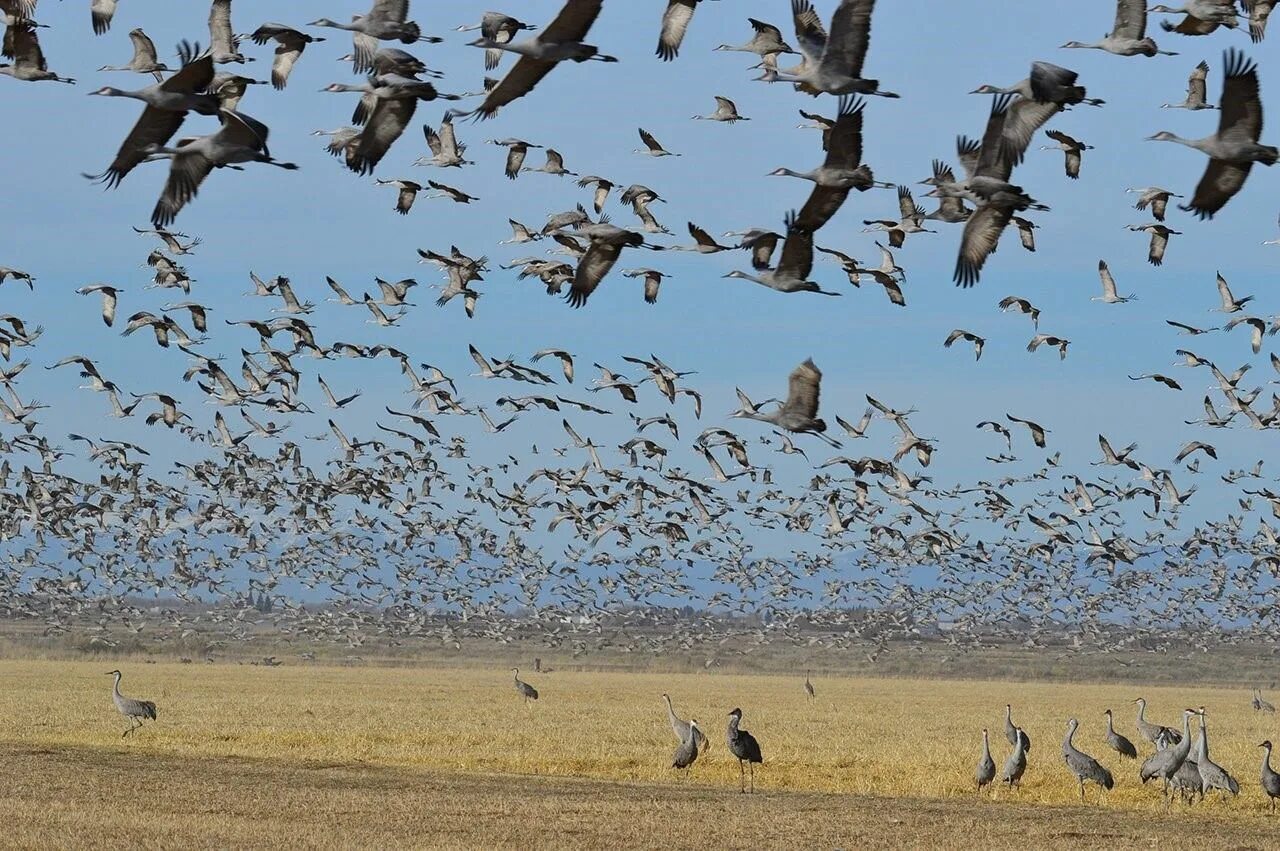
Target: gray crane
527,691
800,412
1153,733
135,710
1212,775
986,770
1016,765
808,686
1083,766
744,746
1012,731
681,727
1119,743
687,752
1270,779
1234,148
1259,704
1165,763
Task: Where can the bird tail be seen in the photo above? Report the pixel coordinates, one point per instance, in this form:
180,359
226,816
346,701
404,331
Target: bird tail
411,33
150,708
1270,155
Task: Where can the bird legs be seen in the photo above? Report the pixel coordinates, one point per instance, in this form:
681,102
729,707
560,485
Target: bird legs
134,723
742,779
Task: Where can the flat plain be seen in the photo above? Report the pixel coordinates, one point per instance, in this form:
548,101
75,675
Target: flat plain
446,756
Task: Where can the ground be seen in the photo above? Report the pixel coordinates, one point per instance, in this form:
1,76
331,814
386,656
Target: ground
393,756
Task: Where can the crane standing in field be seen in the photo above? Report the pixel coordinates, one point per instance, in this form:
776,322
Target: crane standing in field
744,746
808,687
135,710
1016,765
1120,744
1083,766
1012,731
681,727
986,770
687,753
527,691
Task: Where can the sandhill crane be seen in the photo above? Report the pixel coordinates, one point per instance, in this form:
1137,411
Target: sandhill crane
167,106
1011,730
223,45
1156,198
446,150
109,297
1158,378
1212,775
1118,742
1109,294
1229,303
385,21
517,150
1202,16
1259,11
289,46
560,40
1071,147
986,770
135,710
841,171
553,165
144,59
675,20
18,275
1154,733
526,691
1083,766
808,687
1016,764
395,101
911,219
1195,91
453,194
408,191
726,111
687,751
1165,763
496,27
683,728
792,272
1159,239
1059,343
1022,306
607,242
1270,778
833,63
799,414
652,147
1038,433
28,64
1047,83
1260,704
767,41
1234,148
1257,326
241,140
744,746
652,282
967,336
1128,36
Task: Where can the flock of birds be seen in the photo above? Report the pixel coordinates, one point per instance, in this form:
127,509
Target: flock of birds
411,522
1184,768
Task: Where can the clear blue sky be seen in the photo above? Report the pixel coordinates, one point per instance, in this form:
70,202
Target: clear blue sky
323,220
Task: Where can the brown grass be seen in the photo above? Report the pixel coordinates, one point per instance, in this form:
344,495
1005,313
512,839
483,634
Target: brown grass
250,755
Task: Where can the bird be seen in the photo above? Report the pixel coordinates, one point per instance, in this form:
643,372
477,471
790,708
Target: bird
100,14
986,770
1071,147
135,710
1229,303
408,192
1037,432
1156,198
29,65
967,336
385,21
1109,295
799,413
558,41
652,147
290,44
744,747
1159,239
766,42
687,751
144,59
1128,36
675,21
109,298
726,112
652,281
793,269
1270,778
1016,765
498,27
1050,340
603,252
1083,766
241,140
1212,775
1234,148
1260,704
833,63
1153,733
1118,742
1013,732
1166,762
683,730
526,691
1022,306
808,687
1195,91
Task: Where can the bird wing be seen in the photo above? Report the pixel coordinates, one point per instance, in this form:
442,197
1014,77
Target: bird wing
592,268
1224,293
186,173
1024,118
969,152
388,121
1108,282
518,82
220,25
824,202
803,390
1158,243
143,47
433,140
154,127
844,139
981,234
515,159
284,58
1241,106
573,22
810,34
850,37
1196,88
1131,19
762,250
797,249
675,20
650,142
993,159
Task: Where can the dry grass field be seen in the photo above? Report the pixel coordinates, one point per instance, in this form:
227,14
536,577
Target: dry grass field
446,757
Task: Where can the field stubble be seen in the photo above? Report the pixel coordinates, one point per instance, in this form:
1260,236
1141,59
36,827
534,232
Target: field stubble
911,739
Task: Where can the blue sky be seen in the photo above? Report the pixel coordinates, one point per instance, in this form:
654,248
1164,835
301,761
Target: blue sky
323,220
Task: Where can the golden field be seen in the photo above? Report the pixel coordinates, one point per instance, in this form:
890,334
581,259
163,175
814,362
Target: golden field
408,756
